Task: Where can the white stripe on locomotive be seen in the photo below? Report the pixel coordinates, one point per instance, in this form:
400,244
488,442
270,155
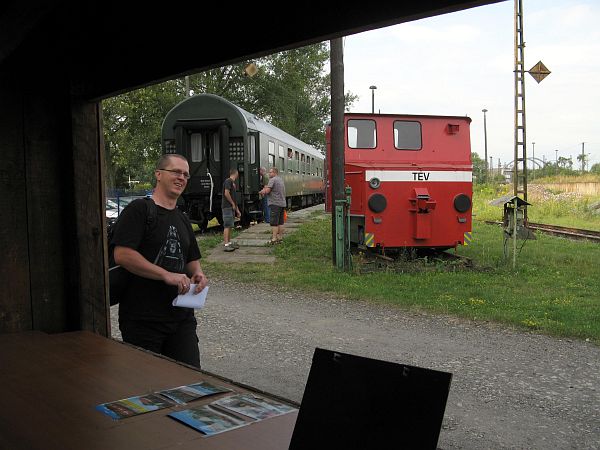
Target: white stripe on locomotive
417,175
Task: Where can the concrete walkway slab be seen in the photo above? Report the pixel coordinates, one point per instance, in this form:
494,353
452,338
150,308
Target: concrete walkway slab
254,240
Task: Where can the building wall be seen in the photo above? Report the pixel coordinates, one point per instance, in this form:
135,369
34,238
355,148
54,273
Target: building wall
52,275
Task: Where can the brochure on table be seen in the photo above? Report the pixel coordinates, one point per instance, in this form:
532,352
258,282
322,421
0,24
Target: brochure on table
141,404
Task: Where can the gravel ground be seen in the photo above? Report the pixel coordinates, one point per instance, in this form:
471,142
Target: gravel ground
510,389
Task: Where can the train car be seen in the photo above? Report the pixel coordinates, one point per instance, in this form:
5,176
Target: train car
411,180
216,135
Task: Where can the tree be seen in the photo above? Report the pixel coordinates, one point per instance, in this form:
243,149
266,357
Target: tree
595,169
478,168
565,163
582,158
290,90
132,125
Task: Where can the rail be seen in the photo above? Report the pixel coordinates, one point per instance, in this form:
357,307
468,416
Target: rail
568,232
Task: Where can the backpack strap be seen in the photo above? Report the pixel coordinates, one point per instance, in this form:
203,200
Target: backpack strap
151,215
151,221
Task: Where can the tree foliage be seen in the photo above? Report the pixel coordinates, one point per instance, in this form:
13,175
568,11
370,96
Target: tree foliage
291,90
132,124
478,168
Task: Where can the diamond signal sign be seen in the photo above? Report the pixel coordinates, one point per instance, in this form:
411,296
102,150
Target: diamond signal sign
539,71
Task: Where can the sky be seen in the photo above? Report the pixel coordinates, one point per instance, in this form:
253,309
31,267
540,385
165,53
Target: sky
461,63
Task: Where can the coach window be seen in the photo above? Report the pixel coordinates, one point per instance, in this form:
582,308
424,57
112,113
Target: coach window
252,140
289,163
297,161
196,144
281,159
271,154
216,147
407,135
362,134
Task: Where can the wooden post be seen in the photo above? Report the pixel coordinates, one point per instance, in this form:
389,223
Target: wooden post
337,131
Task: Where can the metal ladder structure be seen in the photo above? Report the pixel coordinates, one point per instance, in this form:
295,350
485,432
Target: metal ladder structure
520,149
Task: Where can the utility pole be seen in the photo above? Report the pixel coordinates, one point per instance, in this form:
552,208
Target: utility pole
582,157
520,153
485,142
372,87
533,160
539,71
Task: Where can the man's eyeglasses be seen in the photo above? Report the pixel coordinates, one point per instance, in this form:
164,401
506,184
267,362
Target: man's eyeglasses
178,173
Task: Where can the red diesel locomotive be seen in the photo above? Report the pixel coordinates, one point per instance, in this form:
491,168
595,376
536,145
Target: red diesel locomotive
411,180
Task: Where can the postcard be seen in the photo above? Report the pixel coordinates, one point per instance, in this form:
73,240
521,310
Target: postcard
133,406
207,420
254,407
270,403
184,394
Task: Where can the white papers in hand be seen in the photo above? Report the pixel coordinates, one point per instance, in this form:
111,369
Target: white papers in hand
191,300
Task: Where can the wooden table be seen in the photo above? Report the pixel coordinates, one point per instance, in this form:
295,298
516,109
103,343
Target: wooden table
51,385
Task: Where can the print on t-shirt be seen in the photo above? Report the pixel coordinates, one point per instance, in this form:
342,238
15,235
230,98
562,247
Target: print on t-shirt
170,256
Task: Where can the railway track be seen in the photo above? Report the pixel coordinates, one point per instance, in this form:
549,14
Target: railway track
410,261
567,232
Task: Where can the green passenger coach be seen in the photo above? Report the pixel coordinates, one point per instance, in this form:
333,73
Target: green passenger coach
215,135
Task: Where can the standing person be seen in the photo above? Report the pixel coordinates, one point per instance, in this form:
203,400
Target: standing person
275,192
264,181
164,260
229,209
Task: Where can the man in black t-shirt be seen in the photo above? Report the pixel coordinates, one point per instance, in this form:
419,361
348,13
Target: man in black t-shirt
229,209
164,261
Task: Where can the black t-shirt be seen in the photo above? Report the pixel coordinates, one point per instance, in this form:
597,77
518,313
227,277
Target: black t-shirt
229,184
170,244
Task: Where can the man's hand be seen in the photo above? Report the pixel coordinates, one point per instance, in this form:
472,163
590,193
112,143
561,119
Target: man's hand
237,212
200,279
180,280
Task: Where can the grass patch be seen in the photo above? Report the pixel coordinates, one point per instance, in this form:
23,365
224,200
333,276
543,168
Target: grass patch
563,209
554,289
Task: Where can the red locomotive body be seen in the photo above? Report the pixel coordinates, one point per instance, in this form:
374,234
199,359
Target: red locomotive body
411,179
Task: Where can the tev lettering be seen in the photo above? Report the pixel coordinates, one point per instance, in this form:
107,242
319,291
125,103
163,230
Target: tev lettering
421,176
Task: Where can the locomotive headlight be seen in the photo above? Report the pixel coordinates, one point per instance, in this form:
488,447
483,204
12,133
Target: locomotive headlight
374,182
377,203
462,203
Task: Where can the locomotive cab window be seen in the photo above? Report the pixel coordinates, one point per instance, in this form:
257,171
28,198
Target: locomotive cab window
407,135
362,134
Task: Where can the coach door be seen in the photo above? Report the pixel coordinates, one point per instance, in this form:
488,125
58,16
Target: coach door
202,143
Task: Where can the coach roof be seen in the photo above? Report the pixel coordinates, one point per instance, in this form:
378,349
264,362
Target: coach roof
210,106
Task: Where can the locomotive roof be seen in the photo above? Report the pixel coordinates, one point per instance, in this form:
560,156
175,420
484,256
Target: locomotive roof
415,116
251,121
